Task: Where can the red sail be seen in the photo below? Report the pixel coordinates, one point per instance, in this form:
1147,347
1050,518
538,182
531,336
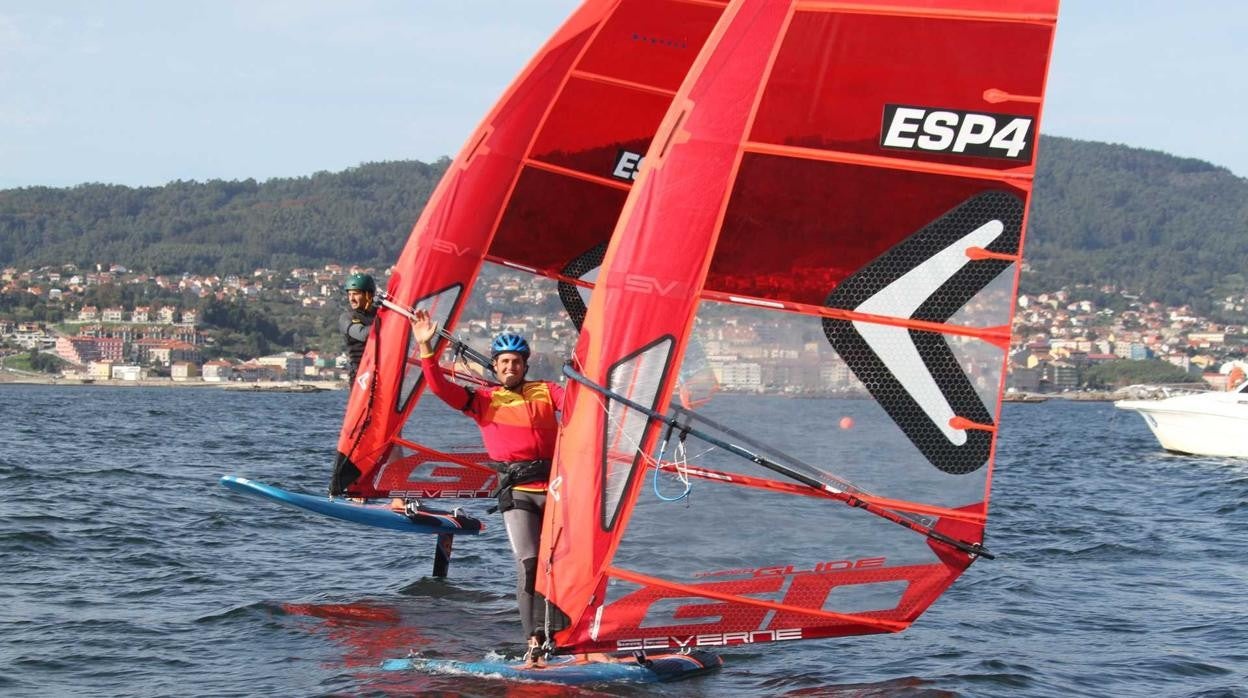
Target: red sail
536,191
834,206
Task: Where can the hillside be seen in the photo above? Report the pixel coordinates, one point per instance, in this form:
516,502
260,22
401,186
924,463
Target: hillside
1174,229
363,214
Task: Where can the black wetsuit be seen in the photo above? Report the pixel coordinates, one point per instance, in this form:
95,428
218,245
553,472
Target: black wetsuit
355,325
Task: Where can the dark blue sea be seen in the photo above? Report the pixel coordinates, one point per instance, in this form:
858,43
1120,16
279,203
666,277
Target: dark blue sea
125,570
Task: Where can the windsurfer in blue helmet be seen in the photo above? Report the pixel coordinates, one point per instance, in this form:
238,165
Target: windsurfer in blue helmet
356,322
518,425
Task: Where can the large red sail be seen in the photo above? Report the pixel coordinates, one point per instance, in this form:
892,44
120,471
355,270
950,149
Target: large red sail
834,206
535,192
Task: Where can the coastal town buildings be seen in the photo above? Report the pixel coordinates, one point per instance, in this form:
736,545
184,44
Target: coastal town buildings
183,371
1058,336
218,371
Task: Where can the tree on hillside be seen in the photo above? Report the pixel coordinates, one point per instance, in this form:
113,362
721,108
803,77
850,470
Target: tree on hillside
1174,229
1171,228
362,215
43,362
1124,372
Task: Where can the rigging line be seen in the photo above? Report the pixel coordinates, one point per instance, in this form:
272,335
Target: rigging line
790,488
793,461
679,465
909,507
646,459
974,549
460,347
692,416
684,471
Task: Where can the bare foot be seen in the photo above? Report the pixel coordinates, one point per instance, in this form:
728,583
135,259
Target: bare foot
397,504
534,663
534,658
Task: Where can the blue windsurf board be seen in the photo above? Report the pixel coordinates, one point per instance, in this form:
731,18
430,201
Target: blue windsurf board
369,513
572,670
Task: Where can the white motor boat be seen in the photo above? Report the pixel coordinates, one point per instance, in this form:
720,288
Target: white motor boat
1207,424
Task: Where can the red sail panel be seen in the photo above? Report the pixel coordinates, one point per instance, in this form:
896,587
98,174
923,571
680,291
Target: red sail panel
850,180
538,186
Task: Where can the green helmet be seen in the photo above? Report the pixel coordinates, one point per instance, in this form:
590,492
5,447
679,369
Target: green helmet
359,281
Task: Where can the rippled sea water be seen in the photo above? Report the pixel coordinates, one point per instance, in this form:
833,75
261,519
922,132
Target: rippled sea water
127,570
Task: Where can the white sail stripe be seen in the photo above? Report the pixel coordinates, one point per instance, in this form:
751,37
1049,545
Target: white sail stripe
593,628
898,352
521,267
901,299
755,301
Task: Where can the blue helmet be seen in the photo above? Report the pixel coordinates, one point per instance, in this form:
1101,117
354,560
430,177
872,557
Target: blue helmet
508,343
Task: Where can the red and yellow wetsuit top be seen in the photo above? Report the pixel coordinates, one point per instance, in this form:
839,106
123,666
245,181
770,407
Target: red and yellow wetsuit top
516,425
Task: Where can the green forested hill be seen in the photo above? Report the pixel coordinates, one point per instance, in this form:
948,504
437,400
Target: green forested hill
361,215
1176,229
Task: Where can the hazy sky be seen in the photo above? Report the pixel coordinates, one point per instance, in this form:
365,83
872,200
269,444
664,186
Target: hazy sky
142,92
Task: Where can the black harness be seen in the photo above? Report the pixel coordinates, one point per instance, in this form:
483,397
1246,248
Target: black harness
515,473
355,347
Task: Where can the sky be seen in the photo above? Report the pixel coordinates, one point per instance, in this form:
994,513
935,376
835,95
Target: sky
144,92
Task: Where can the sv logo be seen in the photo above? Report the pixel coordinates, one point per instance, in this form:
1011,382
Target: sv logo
648,284
448,247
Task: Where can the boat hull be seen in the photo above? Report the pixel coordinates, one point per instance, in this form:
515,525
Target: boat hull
1209,424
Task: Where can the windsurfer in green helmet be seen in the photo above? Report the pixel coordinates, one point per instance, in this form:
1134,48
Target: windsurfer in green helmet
356,322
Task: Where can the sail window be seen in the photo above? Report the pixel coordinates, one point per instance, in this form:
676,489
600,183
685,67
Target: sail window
637,377
439,306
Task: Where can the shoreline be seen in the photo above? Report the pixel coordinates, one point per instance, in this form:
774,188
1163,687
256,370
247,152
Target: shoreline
311,386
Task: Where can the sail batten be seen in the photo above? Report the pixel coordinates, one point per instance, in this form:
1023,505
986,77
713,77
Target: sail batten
702,591
807,491
574,174
904,9
545,273
1020,177
994,334
640,87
